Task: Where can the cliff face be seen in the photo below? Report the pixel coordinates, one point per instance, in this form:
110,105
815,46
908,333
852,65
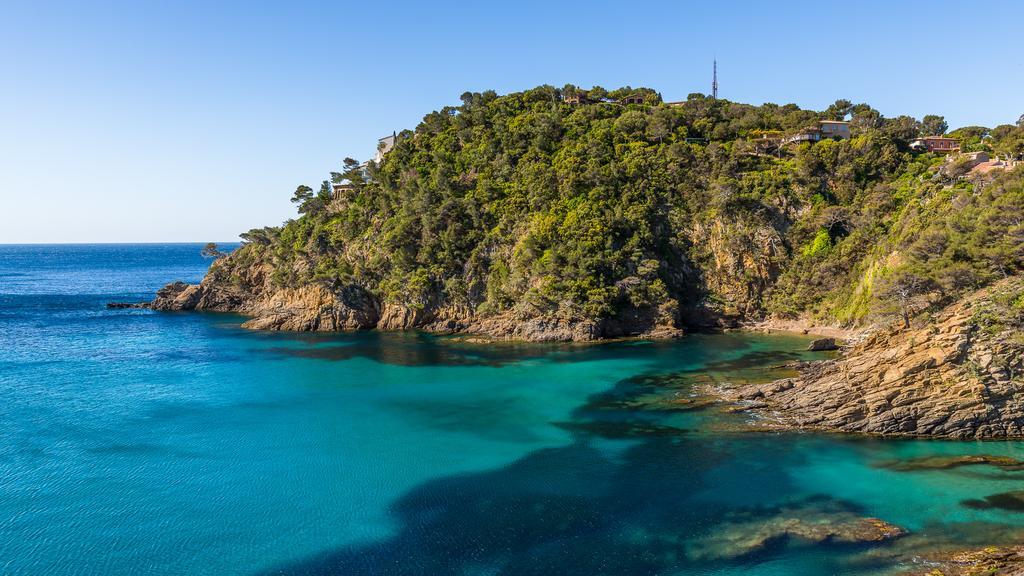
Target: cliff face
958,375
742,263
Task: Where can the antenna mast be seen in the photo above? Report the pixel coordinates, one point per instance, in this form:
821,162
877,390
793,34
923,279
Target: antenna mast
714,80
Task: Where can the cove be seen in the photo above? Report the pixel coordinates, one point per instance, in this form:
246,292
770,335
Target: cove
134,442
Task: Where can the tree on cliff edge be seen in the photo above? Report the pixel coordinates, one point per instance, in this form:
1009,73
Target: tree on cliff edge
906,291
211,250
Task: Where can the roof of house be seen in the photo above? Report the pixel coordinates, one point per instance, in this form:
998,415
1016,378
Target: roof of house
832,122
986,167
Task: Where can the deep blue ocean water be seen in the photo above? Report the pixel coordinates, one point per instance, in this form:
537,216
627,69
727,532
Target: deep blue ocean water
134,442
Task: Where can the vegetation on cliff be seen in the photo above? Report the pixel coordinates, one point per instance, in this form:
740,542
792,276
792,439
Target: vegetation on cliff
524,204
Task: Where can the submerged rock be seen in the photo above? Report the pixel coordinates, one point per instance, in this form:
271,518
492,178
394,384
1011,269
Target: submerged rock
801,525
947,462
126,305
1011,501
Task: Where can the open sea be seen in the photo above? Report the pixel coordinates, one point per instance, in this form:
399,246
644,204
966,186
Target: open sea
135,442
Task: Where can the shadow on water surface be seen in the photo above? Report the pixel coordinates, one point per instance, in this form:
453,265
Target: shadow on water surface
422,349
1008,501
570,510
485,417
409,349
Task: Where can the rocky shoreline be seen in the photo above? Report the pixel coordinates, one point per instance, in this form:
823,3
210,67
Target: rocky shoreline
805,327
320,307
958,374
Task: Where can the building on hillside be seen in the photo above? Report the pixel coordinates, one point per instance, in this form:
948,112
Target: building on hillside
384,145
834,129
635,98
939,144
826,129
578,98
341,189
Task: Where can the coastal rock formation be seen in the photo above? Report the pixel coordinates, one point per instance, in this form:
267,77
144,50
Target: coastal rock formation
741,264
313,308
332,307
958,375
1012,501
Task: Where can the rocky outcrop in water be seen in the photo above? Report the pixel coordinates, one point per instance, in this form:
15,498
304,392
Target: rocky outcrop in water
808,524
988,561
127,305
958,375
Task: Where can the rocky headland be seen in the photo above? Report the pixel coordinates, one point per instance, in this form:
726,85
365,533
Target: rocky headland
328,307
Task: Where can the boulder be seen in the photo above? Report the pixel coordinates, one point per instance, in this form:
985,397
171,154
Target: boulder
822,344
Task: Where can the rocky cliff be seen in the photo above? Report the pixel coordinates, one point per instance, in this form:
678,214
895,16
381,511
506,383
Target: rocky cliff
232,285
958,373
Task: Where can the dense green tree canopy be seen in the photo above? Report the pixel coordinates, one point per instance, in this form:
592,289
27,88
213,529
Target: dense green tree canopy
525,202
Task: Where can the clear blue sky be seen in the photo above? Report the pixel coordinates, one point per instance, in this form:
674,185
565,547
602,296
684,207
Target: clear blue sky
183,121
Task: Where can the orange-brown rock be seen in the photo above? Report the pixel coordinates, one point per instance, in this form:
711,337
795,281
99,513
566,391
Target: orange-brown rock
954,376
332,306
990,561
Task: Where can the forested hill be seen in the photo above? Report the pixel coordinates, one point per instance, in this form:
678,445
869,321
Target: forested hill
627,217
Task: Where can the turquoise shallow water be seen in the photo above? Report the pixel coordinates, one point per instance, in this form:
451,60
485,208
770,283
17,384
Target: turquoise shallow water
134,442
